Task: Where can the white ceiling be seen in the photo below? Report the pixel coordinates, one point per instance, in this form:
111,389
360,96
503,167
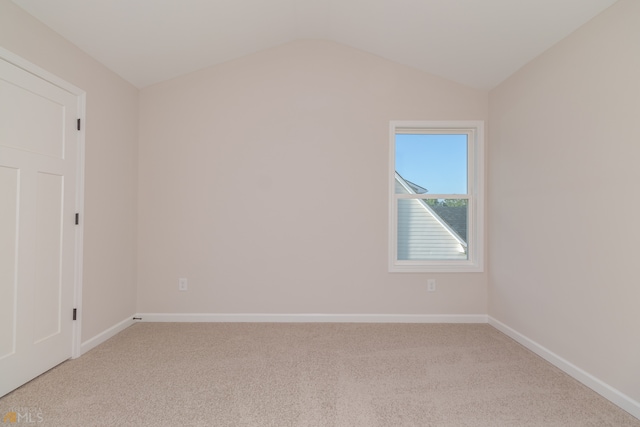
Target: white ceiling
475,42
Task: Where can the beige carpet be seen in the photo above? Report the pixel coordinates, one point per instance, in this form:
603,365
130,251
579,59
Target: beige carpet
243,374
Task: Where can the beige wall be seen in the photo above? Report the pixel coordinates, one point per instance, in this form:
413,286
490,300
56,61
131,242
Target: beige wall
111,166
264,182
563,205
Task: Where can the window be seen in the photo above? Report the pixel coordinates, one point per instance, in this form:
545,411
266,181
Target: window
436,196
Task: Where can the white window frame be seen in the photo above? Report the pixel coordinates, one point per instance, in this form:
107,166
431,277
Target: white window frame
475,195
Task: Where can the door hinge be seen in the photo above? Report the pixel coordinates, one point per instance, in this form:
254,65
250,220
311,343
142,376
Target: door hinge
75,313
77,218
78,124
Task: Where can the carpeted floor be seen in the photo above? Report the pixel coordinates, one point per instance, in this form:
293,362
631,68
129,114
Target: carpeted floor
320,374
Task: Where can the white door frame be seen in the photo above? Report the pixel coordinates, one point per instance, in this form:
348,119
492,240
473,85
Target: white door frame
79,229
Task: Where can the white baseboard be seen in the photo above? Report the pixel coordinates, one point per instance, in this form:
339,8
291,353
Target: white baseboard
600,387
313,318
103,336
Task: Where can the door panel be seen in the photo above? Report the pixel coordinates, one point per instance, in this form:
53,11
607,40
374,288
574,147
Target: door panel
8,279
45,138
38,179
48,256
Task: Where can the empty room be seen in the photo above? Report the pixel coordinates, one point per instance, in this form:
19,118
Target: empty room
319,212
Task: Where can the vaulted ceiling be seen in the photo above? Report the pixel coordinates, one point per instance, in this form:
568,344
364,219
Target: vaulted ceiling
475,42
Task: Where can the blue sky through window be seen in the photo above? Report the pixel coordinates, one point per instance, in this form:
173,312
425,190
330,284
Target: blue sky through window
435,162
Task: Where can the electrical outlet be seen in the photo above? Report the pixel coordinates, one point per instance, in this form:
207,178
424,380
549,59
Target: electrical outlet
183,284
431,285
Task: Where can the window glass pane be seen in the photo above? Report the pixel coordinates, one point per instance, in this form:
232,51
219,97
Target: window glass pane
431,163
432,229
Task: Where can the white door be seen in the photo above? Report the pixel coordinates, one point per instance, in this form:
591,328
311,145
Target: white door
39,166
